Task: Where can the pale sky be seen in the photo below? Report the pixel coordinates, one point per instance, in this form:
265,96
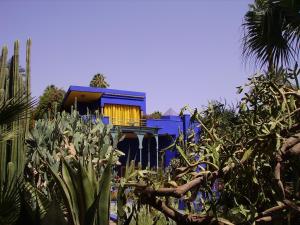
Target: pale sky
177,51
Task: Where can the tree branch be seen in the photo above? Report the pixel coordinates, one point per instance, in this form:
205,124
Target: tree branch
180,218
176,192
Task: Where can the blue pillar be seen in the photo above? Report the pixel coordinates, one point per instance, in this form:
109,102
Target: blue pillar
140,137
169,154
185,125
156,139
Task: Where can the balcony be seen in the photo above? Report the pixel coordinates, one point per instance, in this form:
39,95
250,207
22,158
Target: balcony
131,122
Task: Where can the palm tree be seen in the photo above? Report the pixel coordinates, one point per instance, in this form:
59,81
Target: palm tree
272,32
99,81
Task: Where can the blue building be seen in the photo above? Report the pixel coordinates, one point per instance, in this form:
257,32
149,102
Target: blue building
144,137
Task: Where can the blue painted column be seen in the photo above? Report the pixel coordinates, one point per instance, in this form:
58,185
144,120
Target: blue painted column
171,153
140,137
156,139
148,151
186,125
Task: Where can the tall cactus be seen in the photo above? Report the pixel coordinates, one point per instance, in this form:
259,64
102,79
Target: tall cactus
14,86
15,108
28,80
3,68
3,96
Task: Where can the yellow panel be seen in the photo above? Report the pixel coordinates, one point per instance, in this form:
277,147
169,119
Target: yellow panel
123,114
82,97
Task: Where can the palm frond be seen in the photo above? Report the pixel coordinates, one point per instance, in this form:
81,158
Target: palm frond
36,200
6,135
271,32
10,201
15,108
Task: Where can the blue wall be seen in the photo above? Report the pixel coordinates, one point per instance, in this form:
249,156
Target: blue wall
171,125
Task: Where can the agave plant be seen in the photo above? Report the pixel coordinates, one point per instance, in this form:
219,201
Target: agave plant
87,199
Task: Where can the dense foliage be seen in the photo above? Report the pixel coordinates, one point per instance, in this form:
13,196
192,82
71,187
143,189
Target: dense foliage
244,169
50,100
154,115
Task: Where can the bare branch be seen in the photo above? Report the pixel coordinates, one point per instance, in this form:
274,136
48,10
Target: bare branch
180,218
176,192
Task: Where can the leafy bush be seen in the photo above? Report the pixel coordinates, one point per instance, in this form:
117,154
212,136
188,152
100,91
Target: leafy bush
244,169
50,101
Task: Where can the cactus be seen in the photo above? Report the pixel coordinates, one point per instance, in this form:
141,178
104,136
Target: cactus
15,104
28,81
77,155
3,77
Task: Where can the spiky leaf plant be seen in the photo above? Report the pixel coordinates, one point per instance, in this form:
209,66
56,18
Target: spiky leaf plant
70,157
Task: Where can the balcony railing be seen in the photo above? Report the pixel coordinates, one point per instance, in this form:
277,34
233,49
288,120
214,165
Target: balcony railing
128,122
120,122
